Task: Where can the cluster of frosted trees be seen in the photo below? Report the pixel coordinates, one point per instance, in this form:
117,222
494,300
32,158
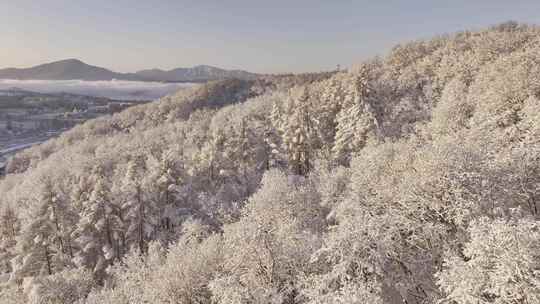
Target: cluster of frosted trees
409,179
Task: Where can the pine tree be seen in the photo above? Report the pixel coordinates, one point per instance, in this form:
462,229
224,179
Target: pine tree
299,134
209,157
355,119
329,102
273,137
138,212
42,245
9,229
99,229
237,154
244,149
158,185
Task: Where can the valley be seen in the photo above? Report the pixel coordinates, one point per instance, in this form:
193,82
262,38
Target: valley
28,118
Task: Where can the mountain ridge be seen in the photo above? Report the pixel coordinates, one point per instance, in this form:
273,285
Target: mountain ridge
72,68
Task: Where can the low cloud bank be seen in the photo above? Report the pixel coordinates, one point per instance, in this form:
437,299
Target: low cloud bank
115,89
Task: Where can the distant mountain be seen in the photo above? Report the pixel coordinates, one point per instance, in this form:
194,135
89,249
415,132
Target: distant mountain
76,69
61,70
198,73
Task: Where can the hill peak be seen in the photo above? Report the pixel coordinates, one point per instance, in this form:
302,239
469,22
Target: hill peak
70,60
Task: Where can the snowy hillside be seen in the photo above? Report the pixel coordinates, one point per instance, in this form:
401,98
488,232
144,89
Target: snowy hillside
412,178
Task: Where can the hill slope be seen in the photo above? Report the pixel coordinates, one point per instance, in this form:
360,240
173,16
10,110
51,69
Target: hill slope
410,179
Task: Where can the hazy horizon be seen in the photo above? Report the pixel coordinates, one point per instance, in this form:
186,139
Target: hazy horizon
277,37
91,64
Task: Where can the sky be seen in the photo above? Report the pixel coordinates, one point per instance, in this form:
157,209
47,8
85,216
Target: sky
275,36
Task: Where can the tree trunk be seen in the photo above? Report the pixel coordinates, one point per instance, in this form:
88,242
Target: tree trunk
48,259
141,221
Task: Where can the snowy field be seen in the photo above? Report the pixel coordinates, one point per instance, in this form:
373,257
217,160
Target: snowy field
114,89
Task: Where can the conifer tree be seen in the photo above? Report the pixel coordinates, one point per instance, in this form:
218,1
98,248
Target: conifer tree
158,185
9,230
355,119
298,135
138,213
99,229
41,244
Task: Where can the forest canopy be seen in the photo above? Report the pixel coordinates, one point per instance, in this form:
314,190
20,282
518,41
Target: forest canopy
411,178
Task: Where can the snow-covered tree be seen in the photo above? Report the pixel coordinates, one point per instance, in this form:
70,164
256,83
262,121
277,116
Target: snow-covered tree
158,185
67,286
42,246
139,215
265,250
499,264
299,131
99,230
9,230
355,119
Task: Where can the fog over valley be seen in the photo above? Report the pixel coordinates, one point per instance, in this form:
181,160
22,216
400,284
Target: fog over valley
113,89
